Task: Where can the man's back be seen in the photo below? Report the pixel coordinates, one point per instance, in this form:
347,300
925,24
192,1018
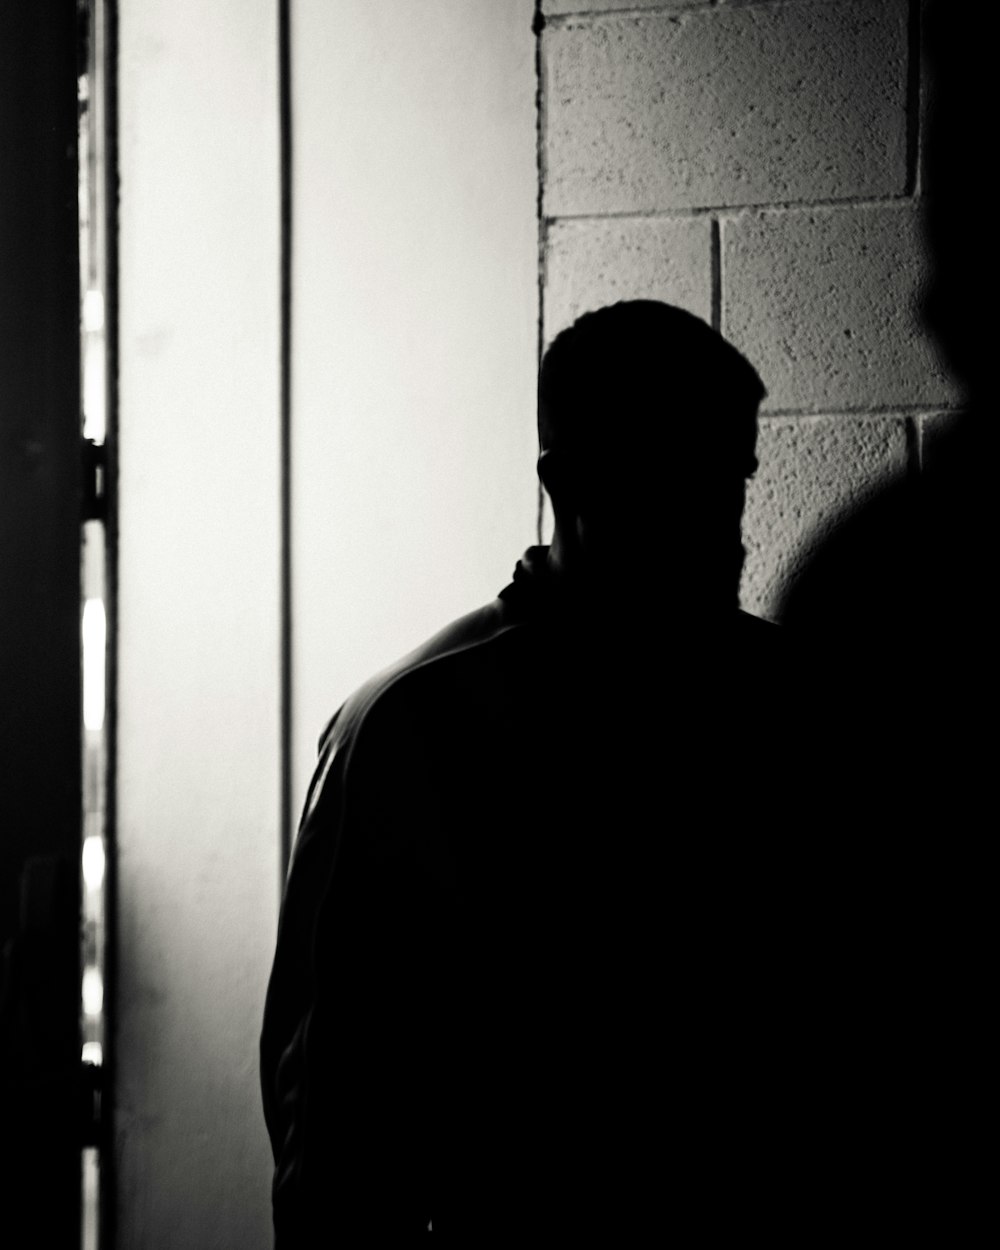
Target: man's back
539,965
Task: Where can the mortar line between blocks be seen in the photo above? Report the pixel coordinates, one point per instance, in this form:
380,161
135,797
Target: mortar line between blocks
583,16
679,9
901,412
914,98
538,26
716,275
734,212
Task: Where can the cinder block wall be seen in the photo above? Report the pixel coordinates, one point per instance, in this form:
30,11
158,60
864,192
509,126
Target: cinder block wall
757,162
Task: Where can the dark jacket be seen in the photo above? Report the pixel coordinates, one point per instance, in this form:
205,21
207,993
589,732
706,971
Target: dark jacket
550,946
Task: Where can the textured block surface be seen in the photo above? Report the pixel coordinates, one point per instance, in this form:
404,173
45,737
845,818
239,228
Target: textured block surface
749,104
592,263
825,305
813,472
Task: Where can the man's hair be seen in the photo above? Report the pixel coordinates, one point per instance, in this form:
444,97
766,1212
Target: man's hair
641,370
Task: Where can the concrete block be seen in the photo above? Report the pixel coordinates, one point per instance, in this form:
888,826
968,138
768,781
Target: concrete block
726,106
592,263
824,303
814,471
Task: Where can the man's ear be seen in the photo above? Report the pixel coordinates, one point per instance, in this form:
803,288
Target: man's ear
549,470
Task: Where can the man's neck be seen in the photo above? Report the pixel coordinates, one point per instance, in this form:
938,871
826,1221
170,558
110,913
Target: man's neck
631,591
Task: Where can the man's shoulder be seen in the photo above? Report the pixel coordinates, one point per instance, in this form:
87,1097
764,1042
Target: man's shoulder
469,647
773,647
760,629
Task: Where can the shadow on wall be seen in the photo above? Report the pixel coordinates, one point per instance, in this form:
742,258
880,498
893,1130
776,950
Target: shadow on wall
896,599
896,608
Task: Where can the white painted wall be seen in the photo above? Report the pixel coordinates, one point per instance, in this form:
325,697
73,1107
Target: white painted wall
415,270
413,489
198,759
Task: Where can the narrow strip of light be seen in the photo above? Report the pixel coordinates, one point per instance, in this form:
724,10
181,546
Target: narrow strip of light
95,631
93,1052
93,992
93,862
93,311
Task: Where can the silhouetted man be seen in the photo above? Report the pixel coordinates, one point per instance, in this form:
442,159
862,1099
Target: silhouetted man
545,953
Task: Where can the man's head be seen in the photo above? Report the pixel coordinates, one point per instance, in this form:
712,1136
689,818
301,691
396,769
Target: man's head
647,422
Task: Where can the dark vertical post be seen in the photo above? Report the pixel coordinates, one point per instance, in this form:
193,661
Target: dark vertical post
538,26
285,126
108,1205
40,678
